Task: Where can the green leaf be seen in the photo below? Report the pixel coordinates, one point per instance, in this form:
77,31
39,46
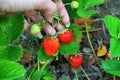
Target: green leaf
12,53
42,56
71,48
16,28
72,13
10,70
86,13
76,30
78,33
113,25
111,66
92,3
115,47
48,78
38,74
4,21
21,78
3,38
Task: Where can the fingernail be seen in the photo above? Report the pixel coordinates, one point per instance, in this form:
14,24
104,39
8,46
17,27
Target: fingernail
55,36
53,32
40,37
67,25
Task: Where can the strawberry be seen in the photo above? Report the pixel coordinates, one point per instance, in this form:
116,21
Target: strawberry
75,4
35,29
75,61
51,45
107,56
65,36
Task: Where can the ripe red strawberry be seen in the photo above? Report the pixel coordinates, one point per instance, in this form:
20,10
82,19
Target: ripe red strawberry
107,56
51,45
76,61
65,36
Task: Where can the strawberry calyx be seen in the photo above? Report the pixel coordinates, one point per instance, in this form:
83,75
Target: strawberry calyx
62,31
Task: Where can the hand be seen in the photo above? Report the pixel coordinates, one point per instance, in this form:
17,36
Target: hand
29,7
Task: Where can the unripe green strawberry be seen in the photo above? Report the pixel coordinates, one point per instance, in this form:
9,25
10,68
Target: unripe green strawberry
74,4
65,36
51,45
75,61
35,29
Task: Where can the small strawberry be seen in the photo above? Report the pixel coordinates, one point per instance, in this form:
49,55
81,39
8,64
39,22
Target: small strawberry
75,4
35,29
65,36
107,56
75,61
51,45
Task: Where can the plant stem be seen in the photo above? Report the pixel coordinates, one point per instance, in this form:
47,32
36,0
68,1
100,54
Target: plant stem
38,65
45,65
67,4
85,73
114,78
88,36
76,75
31,72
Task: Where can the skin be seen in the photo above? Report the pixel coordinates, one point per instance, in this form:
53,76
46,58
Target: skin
28,7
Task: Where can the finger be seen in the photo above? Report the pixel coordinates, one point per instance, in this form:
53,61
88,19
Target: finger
59,27
50,10
33,16
27,29
49,29
63,13
46,27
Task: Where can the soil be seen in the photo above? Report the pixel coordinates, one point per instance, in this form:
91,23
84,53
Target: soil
61,69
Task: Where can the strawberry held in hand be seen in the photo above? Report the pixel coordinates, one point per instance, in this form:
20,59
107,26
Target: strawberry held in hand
35,29
76,61
51,45
65,36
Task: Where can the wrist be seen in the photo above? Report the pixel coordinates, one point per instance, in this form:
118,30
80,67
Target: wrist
16,5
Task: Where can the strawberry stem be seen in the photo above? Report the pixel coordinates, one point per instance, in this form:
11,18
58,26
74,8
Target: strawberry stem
31,72
114,78
45,65
76,75
88,36
85,73
38,65
67,4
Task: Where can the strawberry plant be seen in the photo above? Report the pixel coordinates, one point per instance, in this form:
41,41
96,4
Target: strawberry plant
11,49
84,11
113,65
11,27
65,43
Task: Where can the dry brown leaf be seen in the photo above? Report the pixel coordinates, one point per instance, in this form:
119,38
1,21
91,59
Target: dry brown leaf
101,51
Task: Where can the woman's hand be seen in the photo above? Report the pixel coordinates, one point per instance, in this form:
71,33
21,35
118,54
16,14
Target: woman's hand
46,7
